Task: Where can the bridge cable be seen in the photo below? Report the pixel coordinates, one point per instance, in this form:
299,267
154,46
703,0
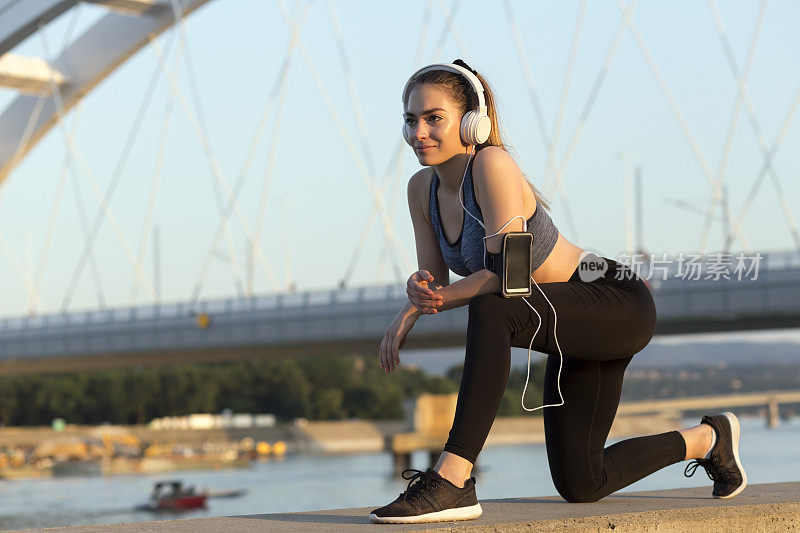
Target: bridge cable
394,184
362,131
51,222
527,73
273,144
32,287
19,269
358,115
732,123
279,88
562,100
546,137
387,181
278,85
450,25
21,148
561,168
679,118
104,200
343,133
210,159
565,88
156,177
396,161
94,269
233,258
443,33
743,95
776,143
66,165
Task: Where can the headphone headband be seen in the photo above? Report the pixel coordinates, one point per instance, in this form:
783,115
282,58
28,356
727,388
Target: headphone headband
456,69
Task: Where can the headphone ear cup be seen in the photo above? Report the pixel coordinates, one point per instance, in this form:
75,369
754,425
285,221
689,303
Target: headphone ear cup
407,135
466,128
475,128
483,127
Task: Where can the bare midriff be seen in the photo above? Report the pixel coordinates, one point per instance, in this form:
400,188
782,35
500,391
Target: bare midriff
563,258
560,264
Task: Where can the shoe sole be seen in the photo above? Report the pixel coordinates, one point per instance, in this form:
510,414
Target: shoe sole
735,432
445,515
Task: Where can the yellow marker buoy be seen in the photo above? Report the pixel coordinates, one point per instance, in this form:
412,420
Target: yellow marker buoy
279,448
263,448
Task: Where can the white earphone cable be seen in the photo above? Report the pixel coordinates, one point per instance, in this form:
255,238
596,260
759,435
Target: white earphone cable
530,347
555,315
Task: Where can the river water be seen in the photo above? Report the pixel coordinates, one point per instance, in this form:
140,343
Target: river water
306,482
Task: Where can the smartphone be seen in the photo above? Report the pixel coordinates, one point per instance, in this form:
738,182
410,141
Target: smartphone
516,278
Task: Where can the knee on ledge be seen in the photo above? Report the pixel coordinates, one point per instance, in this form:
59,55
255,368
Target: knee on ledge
578,495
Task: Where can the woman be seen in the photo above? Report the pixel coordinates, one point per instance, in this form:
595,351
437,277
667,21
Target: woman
601,322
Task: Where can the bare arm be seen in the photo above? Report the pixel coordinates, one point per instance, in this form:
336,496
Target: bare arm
497,180
429,256
455,295
462,291
409,310
431,265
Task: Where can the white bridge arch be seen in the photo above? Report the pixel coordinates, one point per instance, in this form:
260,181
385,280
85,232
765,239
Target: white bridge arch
129,25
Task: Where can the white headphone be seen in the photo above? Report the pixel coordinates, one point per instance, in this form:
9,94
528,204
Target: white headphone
475,125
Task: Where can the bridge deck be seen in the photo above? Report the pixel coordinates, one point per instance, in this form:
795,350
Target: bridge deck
766,507
347,321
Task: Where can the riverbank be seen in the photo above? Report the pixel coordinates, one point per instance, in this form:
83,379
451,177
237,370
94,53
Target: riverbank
167,450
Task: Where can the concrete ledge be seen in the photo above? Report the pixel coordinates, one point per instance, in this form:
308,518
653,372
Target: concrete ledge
766,507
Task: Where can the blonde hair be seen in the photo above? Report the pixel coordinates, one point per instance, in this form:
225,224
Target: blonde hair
461,92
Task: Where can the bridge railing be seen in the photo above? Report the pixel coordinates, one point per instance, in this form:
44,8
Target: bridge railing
355,296
305,299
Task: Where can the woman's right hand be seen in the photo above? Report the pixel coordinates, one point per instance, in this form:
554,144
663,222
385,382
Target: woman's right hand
395,338
420,295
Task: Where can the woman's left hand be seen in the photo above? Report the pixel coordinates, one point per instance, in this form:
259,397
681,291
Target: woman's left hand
421,292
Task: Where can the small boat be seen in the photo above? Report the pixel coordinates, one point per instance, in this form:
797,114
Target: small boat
174,496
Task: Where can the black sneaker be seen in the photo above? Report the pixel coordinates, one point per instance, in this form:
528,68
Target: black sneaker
430,498
723,467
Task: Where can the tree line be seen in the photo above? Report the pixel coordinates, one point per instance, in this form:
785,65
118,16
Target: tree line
318,388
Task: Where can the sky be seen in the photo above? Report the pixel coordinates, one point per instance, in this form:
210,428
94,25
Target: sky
317,203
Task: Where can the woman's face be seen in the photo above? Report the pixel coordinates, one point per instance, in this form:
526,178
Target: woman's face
433,122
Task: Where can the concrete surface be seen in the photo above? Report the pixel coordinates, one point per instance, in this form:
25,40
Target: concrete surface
766,507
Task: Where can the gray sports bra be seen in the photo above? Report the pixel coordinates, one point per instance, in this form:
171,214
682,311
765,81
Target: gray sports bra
465,256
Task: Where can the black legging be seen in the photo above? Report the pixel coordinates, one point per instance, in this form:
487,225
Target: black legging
601,325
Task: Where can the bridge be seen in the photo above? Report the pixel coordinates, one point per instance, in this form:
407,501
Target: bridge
52,81
353,320
769,399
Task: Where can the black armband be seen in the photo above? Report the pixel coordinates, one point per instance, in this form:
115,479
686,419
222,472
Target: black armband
494,262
